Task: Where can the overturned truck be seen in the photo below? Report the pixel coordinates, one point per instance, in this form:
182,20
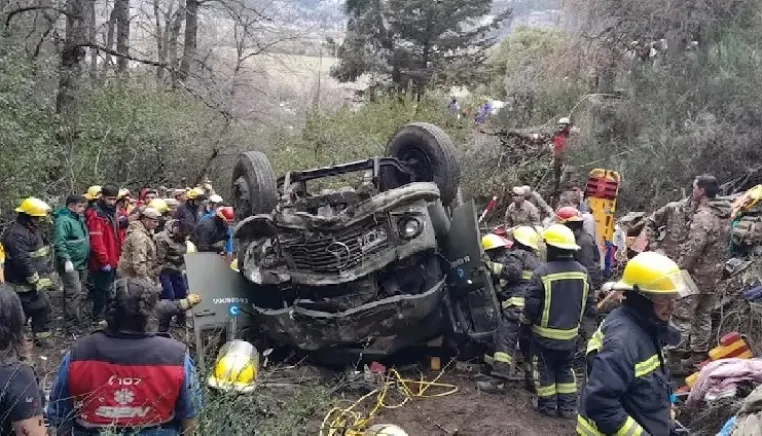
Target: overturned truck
369,269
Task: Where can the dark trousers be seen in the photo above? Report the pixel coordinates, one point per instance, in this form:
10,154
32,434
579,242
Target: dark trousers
36,305
102,283
555,382
173,285
509,333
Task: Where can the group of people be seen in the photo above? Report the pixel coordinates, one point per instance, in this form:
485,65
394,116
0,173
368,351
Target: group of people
130,257
548,304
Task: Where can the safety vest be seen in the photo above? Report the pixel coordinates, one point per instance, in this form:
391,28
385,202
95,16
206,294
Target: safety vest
126,380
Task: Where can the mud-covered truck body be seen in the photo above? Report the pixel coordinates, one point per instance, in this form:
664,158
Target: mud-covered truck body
361,267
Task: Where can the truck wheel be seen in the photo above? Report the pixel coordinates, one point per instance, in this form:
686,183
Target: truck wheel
430,153
255,189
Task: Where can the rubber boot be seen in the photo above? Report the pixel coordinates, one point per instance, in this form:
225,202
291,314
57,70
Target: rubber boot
528,378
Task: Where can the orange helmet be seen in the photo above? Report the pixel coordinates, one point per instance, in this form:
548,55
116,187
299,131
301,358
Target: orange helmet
226,213
568,214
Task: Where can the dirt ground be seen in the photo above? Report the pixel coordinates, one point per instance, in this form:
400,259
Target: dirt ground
466,412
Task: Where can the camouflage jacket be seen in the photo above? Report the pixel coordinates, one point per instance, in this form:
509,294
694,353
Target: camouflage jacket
138,254
705,251
524,215
675,218
170,251
542,206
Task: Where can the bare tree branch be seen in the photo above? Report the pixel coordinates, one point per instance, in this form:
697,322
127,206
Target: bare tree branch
15,12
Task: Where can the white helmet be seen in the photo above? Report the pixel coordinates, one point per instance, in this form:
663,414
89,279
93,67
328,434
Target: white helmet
564,120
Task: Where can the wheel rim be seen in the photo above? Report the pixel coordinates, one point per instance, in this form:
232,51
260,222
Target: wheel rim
241,196
418,161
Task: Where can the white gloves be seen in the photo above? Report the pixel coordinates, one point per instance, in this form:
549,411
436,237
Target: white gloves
68,266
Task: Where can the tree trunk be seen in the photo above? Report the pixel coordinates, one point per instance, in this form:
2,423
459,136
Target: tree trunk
71,62
191,35
91,38
122,10
110,38
174,23
161,52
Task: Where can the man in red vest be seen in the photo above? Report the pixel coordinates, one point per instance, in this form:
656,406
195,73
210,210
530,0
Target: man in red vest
559,144
124,379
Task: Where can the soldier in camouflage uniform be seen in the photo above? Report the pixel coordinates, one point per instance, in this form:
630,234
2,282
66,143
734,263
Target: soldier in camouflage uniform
703,255
536,199
139,258
521,212
675,218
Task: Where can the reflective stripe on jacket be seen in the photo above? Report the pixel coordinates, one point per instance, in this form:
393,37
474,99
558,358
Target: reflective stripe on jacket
557,298
628,388
27,258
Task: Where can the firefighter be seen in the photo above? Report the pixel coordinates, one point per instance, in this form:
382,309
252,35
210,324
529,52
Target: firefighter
628,382
124,379
517,267
588,254
215,234
558,295
28,269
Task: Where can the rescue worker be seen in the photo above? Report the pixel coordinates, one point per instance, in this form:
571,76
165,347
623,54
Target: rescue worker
521,212
215,201
514,270
558,296
106,239
27,269
170,249
212,234
143,382
162,207
560,137
139,253
703,255
167,309
628,382
22,399
588,254
191,211
536,199
574,197
123,200
71,242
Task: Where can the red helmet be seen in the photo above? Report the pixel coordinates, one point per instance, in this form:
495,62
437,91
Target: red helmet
226,213
568,214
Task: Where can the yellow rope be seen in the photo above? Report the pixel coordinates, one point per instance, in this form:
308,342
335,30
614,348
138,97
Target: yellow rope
349,422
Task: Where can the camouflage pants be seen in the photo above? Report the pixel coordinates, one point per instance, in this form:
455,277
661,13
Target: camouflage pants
693,318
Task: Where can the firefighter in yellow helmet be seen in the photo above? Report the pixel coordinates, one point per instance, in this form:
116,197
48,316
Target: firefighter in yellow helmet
190,212
28,268
558,295
518,265
628,386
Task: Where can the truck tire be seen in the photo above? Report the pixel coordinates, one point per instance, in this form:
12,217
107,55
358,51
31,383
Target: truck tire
255,189
430,153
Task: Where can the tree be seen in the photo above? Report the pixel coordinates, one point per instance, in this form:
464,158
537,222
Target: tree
412,42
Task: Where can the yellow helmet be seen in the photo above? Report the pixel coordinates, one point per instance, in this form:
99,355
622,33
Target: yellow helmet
123,193
653,273
195,193
526,236
190,247
93,192
491,241
160,205
235,368
33,207
560,236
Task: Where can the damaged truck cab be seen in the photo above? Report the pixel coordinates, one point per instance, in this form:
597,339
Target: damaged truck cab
361,268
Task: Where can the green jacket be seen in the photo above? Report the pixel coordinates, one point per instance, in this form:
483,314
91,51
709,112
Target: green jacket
71,239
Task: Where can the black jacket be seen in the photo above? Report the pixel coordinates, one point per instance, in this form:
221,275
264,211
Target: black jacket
555,323
628,382
589,256
27,257
188,215
211,235
518,267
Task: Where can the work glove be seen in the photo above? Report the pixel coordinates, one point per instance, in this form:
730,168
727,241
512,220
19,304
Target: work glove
68,266
190,301
106,268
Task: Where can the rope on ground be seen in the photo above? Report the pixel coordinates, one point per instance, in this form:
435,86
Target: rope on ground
350,422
